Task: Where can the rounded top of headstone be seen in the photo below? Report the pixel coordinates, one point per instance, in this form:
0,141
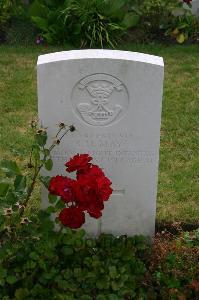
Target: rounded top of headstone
100,54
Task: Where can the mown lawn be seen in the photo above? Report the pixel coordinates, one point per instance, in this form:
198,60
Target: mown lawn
178,189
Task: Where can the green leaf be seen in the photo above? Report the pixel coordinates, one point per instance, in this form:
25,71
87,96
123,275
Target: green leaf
10,168
21,294
3,272
113,297
113,8
38,9
41,139
45,180
102,284
11,198
49,164
52,198
116,285
180,38
113,271
51,209
101,297
46,152
36,152
11,279
4,186
80,233
67,250
40,22
130,20
20,183
85,297
59,205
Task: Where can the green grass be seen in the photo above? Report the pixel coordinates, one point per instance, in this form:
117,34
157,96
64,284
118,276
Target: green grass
178,189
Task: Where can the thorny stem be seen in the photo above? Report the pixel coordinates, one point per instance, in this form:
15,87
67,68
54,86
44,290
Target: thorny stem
30,161
37,170
34,179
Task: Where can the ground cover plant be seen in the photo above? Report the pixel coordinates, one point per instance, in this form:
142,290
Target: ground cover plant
67,266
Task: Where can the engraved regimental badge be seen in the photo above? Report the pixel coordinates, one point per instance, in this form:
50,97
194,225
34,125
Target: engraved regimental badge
100,99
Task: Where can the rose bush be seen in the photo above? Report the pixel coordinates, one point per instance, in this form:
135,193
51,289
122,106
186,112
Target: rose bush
85,194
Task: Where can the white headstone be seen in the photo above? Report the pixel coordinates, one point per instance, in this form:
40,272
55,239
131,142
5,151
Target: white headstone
195,7
114,99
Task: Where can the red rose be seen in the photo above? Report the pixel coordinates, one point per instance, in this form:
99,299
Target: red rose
85,191
78,162
93,171
72,217
104,189
95,214
94,208
62,186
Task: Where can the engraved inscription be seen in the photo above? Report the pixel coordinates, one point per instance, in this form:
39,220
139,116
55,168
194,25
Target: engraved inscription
119,192
117,156
100,99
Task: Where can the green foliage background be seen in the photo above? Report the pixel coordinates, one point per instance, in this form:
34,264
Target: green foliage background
97,23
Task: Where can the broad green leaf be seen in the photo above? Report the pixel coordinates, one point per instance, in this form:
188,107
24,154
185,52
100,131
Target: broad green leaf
116,285
21,294
113,8
86,297
20,183
10,168
113,271
101,297
52,198
113,297
51,209
46,152
41,139
11,279
4,186
49,164
3,272
80,233
130,20
102,283
59,205
45,180
40,23
67,250
37,9
11,198
180,38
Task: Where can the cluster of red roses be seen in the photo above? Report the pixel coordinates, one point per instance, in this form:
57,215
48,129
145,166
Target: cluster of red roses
86,193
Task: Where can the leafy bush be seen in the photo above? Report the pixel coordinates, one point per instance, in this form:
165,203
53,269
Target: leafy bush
174,266
67,265
86,23
20,32
15,26
165,19
184,27
5,15
70,266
